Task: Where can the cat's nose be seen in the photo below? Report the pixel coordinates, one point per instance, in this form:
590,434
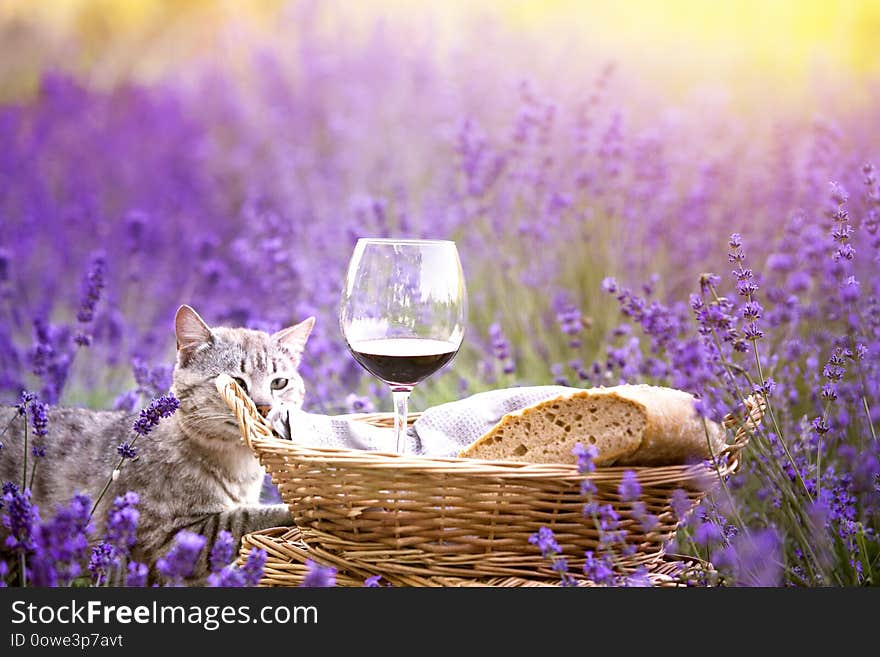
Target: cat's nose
263,409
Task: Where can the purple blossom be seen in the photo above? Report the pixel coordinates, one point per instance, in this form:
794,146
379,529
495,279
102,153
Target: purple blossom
647,520
180,560
102,559
25,399
227,577
60,544
39,417
318,576
501,348
680,503
20,517
223,551
94,285
126,450
585,456
629,488
707,533
159,408
137,574
639,578
545,540
122,523
256,562
752,559
599,568
358,404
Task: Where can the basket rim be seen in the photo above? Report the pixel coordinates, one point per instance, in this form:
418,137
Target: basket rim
259,437
342,456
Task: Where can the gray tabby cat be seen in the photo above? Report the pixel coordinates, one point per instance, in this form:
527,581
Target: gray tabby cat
192,471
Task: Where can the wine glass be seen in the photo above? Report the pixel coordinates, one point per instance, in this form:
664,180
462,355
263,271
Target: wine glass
403,312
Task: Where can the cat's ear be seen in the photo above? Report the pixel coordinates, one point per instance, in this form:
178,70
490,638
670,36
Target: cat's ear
294,337
190,329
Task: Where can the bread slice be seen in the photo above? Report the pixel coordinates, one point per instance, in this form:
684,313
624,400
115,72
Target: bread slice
628,425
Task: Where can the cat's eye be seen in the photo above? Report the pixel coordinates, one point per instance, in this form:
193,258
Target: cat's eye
240,382
279,384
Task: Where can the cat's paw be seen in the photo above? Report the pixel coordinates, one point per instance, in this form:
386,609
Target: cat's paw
280,515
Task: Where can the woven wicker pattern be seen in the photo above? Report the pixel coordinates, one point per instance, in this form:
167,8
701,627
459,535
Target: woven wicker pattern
422,517
287,555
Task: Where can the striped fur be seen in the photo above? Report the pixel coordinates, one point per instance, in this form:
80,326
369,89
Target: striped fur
193,471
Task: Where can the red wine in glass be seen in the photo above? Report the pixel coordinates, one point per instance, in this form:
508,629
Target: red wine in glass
403,361
403,313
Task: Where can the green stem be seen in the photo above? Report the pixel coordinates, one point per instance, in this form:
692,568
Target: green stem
868,415
794,503
33,473
733,505
776,428
9,424
110,480
24,464
23,571
766,397
104,491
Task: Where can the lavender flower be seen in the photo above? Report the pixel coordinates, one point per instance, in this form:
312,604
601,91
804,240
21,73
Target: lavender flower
159,408
501,348
585,456
752,559
24,399
707,533
223,551
253,567
137,574
680,503
60,544
126,450
122,523
227,577
629,488
639,579
318,575
94,285
39,417
599,568
180,560
20,517
102,559
357,404
647,520
545,540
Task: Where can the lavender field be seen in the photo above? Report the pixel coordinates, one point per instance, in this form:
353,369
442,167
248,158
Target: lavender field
723,239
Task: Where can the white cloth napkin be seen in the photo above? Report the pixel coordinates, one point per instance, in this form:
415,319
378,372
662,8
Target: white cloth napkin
440,431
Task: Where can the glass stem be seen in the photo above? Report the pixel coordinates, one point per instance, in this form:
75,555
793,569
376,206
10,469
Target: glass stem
401,396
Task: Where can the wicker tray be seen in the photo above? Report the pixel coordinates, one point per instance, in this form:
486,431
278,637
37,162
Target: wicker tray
452,517
286,556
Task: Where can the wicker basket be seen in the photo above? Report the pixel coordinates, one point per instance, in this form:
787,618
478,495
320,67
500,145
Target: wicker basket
412,516
287,554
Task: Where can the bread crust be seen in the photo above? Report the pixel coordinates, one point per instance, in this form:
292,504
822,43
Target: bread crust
670,431
675,433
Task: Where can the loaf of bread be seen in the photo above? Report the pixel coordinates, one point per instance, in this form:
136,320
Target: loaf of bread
636,425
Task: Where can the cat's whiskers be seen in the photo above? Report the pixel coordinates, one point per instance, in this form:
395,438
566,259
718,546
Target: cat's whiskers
214,428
